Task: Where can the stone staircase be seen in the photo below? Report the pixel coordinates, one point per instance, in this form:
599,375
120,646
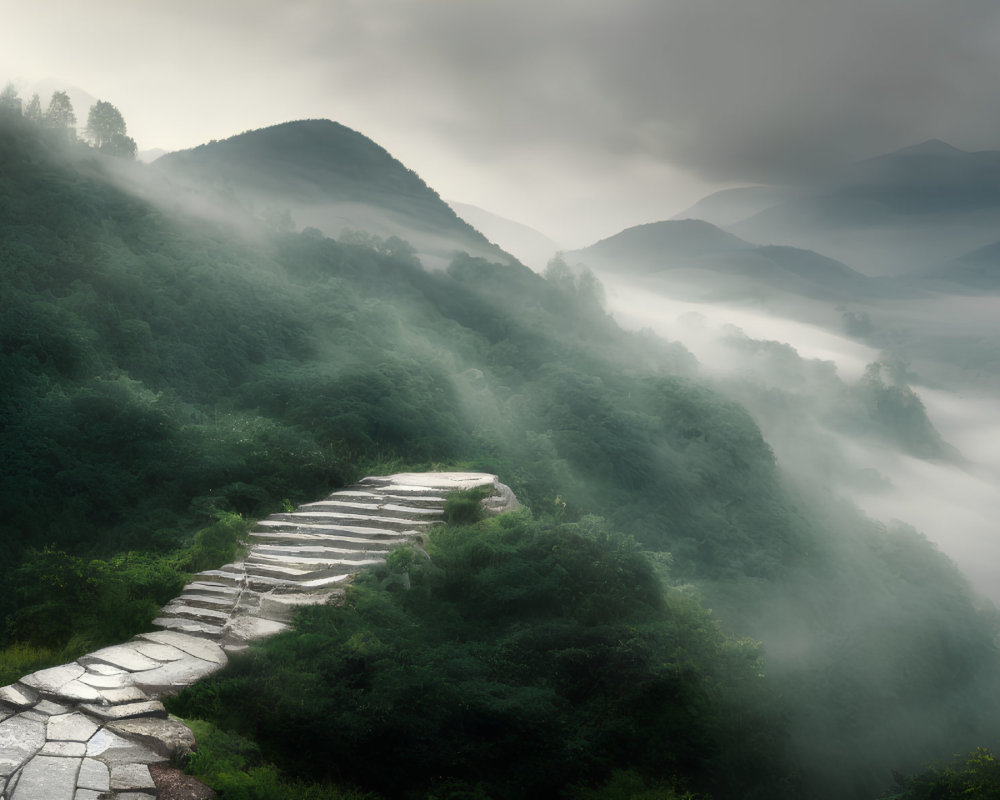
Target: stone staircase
90,729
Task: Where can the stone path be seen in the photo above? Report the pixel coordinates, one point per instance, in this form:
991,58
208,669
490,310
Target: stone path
89,730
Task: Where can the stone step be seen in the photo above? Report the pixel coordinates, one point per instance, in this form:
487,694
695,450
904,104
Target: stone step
179,608
149,708
221,603
189,626
225,575
410,494
292,539
383,509
307,563
307,573
322,584
375,498
212,589
314,551
344,518
329,529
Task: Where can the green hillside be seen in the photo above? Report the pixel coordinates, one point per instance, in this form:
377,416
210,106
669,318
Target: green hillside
322,174
163,375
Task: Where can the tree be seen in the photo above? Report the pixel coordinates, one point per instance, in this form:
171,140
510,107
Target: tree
10,103
33,111
106,129
121,145
104,122
60,113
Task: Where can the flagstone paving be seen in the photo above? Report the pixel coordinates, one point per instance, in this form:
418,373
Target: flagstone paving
90,729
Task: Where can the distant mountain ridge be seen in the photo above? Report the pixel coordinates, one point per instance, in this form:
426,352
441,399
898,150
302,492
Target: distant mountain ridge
900,213
330,177
532,247
712,262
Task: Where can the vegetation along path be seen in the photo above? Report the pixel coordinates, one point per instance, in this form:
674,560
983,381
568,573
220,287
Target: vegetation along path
90,729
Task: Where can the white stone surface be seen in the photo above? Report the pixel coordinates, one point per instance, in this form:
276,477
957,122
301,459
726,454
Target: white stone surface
20,739
127,694
165,736
110,748
131,777
159,652
93,775
73,727
50,708
48,778
253,628
192,645
66,749
54,678
191,626
120,655
18,696
172,676
116,681
103,669
149,708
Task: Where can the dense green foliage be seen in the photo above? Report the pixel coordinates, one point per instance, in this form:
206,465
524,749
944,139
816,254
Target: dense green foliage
972,777
163,372
234,766
549,646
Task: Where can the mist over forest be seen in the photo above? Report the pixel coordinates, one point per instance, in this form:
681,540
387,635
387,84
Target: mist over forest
755,449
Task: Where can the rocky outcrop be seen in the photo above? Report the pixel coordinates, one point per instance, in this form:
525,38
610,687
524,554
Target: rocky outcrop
90,729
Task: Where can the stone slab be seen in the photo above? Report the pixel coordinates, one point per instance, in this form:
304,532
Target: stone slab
252,628
103,669
127,694
171,677
51,679
210,615
73,727
18,696
164,736
323,583
49,708
48,778
20,739
110,748
192,626
120,655
282,607
150,708
207,600
88,794
64,749
192,645
131,778
116,681
93,775
159,652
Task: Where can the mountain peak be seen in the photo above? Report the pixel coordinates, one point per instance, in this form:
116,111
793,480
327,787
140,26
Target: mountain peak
932,147
333,178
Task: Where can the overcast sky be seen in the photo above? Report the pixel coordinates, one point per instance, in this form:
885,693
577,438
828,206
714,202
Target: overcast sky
575,116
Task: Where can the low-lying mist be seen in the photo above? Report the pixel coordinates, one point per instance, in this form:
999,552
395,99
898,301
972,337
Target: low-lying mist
806,387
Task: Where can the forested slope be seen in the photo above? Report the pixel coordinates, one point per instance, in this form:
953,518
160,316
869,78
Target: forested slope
162,373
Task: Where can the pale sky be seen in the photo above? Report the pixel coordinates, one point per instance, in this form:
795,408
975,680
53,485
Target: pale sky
577,117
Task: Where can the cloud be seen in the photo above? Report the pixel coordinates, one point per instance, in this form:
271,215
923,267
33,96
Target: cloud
642,105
